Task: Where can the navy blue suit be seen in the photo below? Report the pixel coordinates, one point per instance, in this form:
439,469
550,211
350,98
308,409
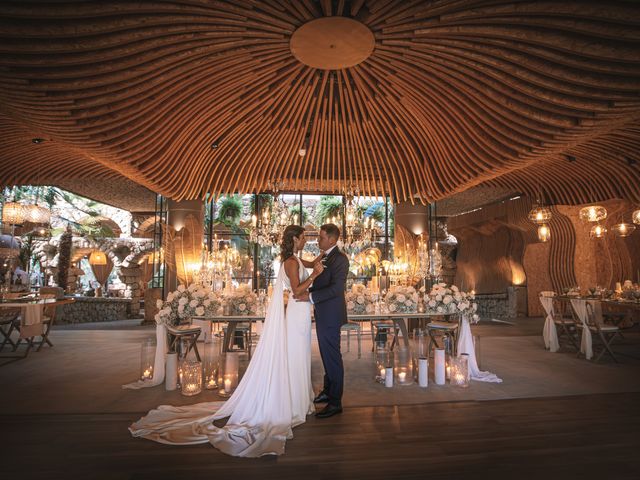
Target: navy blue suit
327,294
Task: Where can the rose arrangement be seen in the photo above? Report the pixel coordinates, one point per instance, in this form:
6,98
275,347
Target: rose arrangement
402,299
359,300
187,302
242,301
450,300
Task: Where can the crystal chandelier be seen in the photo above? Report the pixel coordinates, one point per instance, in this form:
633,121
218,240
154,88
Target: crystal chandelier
593,213
623,229
635,217
267,228
360,232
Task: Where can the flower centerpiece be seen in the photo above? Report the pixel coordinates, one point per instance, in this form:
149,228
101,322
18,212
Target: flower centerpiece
241,301
187,302
402,299
359,300
448,300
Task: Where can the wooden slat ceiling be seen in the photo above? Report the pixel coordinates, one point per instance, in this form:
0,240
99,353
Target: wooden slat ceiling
525,96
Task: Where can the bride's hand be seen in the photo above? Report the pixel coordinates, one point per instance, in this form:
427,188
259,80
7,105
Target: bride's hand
318,268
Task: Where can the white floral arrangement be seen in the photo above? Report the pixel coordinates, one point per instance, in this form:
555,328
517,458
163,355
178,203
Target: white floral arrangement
402,299
359,300
187,302
447,300
242,301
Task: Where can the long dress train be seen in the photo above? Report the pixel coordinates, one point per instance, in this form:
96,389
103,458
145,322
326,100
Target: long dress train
274,395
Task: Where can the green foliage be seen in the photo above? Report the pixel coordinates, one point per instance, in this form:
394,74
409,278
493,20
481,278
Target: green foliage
296,210
266,201
230,210
328,206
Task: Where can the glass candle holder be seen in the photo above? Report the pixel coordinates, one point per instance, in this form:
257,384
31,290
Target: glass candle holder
147,359
382,355
230,373
460,371
191,378
212,363
403,366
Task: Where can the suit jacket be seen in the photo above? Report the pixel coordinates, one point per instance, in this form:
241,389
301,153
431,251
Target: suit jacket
328,289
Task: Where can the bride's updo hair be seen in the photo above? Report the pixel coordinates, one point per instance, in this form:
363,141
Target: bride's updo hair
286,247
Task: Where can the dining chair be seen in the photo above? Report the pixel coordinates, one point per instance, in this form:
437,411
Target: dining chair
604,332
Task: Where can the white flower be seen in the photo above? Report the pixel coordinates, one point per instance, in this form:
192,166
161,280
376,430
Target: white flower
454,288
462,306
351,305
194,303
475,317
183,301
170,297
401,298
156,317
369,308
206,303
422,289
392,307
457,297
166,311
242,307
181,288
180,309
438,298
200,311
415,297
360,299
193,287
432,303
159,303
408,303
447,299
200,294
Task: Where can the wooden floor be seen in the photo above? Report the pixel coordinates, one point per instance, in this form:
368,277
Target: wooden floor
593,436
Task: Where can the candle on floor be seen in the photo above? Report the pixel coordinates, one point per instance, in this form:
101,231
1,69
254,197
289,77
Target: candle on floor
227,385
423,372
402,376
388,377
439,366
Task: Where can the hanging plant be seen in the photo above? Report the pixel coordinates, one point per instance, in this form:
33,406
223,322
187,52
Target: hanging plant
328,207
64,257
230,210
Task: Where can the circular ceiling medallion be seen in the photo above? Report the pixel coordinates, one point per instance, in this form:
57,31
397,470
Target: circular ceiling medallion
332,43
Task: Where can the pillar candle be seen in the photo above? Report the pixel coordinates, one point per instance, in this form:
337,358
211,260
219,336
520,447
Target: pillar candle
171,372
423,372
388,377
439,366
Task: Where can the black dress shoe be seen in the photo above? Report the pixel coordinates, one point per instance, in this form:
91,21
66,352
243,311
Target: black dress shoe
321,398
329,411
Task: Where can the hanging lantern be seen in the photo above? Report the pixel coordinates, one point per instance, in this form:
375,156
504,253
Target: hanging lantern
597,231
544,233
540,215
36,214
593,213
13,213
623,229
635,217
97,258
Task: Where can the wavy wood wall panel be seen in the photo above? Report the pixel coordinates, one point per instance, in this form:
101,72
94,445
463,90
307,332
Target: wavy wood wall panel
456,93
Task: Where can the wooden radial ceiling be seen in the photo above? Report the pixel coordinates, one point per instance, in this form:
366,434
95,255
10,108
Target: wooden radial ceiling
201,96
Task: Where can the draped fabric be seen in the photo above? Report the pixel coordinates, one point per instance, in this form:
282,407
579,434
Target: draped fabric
465,345
586,342
549,332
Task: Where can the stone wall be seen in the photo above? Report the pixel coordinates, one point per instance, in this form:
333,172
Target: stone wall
89,309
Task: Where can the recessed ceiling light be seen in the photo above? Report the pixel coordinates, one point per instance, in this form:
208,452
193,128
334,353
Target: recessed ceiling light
215,143
37,140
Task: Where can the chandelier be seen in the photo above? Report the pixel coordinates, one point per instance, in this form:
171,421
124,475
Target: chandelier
593,213
635,217
360,230
540,215
597,231
544,233
216,270
268,227
623,229
13,213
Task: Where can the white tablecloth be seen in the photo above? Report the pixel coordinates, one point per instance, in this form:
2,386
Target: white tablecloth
586,342
549,332
465,345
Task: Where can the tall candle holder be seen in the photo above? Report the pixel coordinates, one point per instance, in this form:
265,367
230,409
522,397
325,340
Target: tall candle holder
191,378
147,359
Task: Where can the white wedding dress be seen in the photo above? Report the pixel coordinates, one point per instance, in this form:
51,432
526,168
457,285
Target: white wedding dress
274,395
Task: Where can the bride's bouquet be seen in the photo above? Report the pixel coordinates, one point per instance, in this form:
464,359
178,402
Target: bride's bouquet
241,301
446,300
185,303
359,300
402,299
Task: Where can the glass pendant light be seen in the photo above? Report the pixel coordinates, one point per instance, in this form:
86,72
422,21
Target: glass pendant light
544,233
593,213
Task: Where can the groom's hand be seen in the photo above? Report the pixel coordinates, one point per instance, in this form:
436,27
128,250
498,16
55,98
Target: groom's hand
303,297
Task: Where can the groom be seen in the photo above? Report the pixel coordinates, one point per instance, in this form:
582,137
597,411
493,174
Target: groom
327,296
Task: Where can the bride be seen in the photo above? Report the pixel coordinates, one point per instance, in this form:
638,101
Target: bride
275,393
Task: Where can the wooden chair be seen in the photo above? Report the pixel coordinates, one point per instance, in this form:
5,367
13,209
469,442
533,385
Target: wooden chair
349,327
606,333
442,329
380,330
8,319
184,333
565,326
49,313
